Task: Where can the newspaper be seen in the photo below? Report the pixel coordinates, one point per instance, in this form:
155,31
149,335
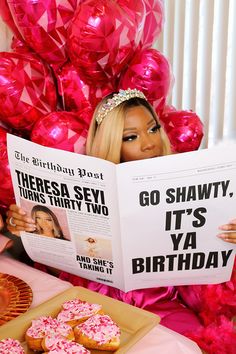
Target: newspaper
133,225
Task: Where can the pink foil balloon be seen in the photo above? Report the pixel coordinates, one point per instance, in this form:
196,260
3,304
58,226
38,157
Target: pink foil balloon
27,90
3,125
148,71
4,208
184,129
137,11
43,25
102,39
19,46
61,130
7,18
167,109
6,188
154,21
79,96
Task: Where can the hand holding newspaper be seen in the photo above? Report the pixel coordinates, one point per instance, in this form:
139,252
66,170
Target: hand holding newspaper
134,225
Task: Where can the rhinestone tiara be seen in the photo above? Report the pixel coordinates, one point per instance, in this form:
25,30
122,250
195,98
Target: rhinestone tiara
116,100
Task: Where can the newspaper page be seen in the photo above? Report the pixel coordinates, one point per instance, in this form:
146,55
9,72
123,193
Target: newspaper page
134,225
170,210
78,194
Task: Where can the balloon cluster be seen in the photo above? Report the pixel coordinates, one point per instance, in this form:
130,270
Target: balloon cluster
66,56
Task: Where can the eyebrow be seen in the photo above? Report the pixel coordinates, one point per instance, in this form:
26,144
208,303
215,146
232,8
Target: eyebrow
148,123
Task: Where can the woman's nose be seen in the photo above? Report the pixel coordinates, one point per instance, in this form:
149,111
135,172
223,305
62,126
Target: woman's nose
147,143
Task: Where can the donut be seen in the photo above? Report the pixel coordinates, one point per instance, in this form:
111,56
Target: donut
77,311
98,332
56,344
11,346
44,326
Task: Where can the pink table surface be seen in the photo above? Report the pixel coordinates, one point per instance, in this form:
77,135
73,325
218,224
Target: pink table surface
45,286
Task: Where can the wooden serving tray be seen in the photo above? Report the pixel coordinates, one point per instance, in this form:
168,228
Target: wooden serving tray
134,323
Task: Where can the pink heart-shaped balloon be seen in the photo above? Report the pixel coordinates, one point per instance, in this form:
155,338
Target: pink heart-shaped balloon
102,39
77,95
6,15
61,130
6,187
184,129
153,24
148,71
27,90
43,25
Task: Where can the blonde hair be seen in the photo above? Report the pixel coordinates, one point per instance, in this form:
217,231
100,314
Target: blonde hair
56,226
105,140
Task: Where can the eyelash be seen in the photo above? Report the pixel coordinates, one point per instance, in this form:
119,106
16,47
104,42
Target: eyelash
129,138
37,218
155,128
134,136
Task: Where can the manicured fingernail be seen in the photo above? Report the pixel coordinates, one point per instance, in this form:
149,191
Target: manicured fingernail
223,236
31,228
233,221
29,221
224,227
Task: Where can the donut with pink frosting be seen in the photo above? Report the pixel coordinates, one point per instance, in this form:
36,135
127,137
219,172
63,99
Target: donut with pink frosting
44,326
57,344
98,332
11,346
77,311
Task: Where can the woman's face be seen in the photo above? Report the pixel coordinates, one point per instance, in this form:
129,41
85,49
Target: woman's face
141,136
91,240
45,222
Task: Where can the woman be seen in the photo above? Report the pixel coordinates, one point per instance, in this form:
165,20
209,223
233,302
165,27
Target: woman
5,242
46,222
125,128
1,222
91,248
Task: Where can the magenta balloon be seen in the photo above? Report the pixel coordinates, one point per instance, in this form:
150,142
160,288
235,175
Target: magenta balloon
3,208
79,96
19,46
148,71
153,24
184,129
137,11
43,25
61,130
102,39
27,90
3,125
168,108
7,18
6,188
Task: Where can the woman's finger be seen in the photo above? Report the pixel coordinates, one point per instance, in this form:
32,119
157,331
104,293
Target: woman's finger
21,218
16,222
231,226
13,230
228,237
17,209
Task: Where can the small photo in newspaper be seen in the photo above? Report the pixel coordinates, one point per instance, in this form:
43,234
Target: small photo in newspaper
94,246
50,222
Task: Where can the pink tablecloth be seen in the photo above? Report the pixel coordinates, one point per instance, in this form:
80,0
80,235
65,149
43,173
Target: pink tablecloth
45,286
